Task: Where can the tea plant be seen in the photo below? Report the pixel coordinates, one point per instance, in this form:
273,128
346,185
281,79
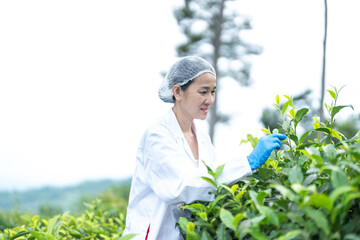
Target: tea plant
307,190
94,223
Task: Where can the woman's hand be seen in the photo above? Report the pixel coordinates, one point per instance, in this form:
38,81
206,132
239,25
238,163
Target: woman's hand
264,148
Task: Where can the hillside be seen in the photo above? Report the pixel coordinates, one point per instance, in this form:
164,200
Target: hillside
60,199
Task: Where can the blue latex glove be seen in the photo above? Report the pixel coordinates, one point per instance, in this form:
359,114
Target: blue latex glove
264,148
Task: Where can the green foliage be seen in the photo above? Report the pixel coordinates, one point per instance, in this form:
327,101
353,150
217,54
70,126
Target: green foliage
47,210
10,219
99,221
309,189
271,118
348,126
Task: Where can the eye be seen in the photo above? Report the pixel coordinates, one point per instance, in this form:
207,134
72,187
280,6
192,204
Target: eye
213,92
203,92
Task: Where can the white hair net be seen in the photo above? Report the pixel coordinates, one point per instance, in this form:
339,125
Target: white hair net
184,70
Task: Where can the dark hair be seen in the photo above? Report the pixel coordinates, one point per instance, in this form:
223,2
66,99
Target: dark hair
184,88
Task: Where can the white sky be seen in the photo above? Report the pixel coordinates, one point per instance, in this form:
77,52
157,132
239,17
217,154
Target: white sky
79,79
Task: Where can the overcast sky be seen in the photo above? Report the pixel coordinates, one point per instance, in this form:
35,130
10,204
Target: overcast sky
79,79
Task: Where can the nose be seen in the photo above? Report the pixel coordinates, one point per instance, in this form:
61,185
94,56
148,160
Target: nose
210,99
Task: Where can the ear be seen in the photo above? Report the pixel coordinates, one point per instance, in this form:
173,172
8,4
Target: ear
177,92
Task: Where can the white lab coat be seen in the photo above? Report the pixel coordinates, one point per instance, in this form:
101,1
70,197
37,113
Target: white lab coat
167,175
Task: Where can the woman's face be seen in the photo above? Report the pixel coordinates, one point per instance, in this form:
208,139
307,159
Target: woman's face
197,99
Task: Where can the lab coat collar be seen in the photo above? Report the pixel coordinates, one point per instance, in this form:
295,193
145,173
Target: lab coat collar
174,126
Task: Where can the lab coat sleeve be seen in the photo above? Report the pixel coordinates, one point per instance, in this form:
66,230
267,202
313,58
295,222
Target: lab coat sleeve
169,175
235,170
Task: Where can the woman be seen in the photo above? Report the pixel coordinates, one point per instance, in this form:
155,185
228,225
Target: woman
168,163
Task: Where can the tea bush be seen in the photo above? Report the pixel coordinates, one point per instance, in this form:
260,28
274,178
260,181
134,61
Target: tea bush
10,219
307,190
98,221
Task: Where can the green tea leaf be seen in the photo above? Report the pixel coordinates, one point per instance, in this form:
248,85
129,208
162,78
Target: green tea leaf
52,222
238,217
234,188
38,235
253,195
217,199
265,173
313,153
296,175
127,237
287,97
195,207
22,233
265,130
239,195
221,232
309,179
319,218
276,106
203,215
300,114
261,197
210,171
206,236
332,94
292,112
193,236
243,141
330,152
209,181
336,109
290,235
294,138
336,134
277,99
257,234
284,108
339,178
183,222
227,189
350,165
252,140
322,129
218,172
351,196
270,215
302,138
321,201
190,227
339,191
227,218
351,236
285,192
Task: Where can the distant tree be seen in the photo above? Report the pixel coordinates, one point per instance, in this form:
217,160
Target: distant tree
212,30
322,93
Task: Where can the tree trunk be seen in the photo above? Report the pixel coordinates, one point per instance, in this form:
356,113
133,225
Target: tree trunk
216,42
321,108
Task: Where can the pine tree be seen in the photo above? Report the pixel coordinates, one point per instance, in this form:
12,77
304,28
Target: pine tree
212,30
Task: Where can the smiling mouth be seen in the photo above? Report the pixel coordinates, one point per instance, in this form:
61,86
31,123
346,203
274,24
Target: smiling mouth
204,110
